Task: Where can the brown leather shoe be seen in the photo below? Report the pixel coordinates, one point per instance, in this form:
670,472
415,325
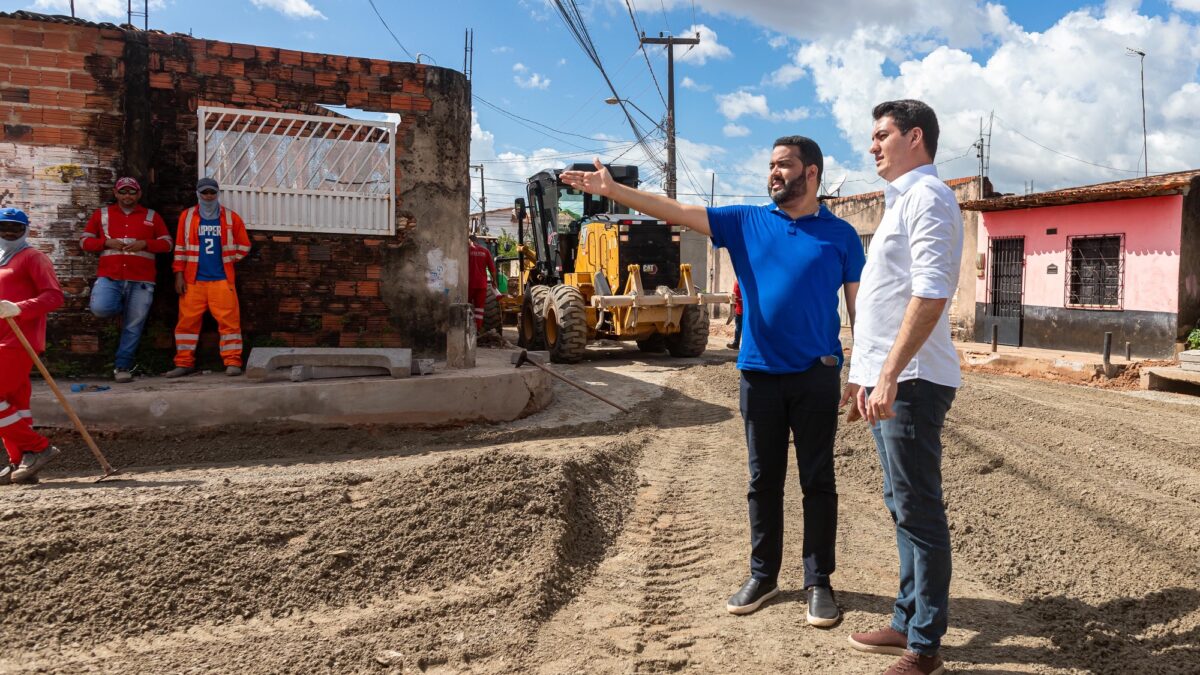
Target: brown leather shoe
883,641
916,664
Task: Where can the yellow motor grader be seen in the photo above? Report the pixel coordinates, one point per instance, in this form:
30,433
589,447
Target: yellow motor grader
601,272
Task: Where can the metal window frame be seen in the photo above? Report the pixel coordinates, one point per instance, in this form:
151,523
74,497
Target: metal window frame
991,271
1070,273
303,209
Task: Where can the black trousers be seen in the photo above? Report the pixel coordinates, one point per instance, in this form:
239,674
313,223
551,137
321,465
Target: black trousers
804,405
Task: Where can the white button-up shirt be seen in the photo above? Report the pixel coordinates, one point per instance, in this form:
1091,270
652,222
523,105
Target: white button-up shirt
915,252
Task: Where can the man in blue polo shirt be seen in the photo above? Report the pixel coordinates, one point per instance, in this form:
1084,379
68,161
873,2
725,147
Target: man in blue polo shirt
790,259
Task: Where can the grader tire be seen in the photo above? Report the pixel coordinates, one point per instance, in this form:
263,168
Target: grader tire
531,323
566,325
692,338
655,344
492,316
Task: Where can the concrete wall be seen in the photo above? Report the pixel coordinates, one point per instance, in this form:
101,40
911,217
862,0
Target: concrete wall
1152,281
82,103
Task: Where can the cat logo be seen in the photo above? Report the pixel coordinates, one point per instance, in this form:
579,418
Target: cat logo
650,269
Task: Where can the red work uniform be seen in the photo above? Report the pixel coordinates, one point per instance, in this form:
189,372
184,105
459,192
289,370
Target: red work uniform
28,280
218,297
110,222
477,280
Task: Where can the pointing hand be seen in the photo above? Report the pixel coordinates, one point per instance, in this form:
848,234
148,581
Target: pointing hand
598,182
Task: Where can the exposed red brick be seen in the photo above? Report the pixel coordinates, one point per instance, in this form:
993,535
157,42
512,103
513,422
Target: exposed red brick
215,48
413,87
324,79
13,56
233,68
242,86
42,97
285,271
71,137
56,117
27,38
162,81
331,323
24,115
344,288
264,89
56,40
379,68
290,57
69,61
289,305
47,135
206,66
111,47
85,344
266,53
41,59
303,76
175,65
368,289
310,60
374,271
80,82
241,51
25,77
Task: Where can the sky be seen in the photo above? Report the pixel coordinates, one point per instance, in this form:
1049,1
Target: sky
1054,77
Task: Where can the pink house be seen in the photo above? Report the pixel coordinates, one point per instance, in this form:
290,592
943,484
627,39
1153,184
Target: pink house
1059,269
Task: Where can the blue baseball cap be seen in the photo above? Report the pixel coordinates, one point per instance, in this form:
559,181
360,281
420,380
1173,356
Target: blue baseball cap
12,215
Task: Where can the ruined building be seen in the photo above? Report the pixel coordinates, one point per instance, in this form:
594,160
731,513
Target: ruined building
369,251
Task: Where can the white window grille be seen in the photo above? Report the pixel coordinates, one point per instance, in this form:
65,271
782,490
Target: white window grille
301,173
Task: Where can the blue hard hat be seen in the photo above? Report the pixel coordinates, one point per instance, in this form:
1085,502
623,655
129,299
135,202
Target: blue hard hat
11,215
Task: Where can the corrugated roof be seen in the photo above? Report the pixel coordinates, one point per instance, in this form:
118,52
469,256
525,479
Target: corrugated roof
55,18
1134,188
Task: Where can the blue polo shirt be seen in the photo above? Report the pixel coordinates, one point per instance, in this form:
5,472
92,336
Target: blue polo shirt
790,272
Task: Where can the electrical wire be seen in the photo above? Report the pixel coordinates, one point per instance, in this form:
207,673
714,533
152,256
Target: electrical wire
389,30
1063,154
637,31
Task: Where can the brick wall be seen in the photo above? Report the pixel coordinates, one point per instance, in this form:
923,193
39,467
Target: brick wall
82,103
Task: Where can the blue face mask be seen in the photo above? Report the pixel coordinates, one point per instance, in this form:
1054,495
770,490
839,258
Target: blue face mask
9,248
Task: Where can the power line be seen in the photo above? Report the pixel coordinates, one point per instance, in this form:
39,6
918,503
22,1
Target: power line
637,32
389,30
519,118
1062,154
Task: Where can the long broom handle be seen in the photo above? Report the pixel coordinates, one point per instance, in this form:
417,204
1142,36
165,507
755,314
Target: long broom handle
108,470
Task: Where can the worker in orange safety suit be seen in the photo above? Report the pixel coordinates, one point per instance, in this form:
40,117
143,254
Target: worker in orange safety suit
210,239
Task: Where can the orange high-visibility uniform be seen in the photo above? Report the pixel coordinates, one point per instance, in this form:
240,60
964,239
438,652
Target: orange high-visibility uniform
217,297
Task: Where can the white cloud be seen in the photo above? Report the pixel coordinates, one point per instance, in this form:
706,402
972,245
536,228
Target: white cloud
1070,88
733,130
1186,5
95,10
534,81
778,42
503,49
709,47
293,9
562,62
689,83
743,103
519,68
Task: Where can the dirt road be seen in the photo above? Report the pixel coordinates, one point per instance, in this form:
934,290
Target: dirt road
579,541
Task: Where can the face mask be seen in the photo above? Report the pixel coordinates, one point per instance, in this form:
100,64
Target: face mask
9,248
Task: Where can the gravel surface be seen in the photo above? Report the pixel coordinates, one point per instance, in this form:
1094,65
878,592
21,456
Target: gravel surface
580,541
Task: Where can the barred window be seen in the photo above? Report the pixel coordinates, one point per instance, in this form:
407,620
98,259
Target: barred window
1097,271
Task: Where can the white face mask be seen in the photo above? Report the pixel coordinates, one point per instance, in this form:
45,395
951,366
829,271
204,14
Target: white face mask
9,248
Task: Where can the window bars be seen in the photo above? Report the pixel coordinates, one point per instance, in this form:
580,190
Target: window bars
1008,276
1096,272
301,173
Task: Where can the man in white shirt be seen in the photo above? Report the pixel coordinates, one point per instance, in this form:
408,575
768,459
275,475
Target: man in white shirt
904,373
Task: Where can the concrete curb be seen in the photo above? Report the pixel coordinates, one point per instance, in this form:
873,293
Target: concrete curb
494,391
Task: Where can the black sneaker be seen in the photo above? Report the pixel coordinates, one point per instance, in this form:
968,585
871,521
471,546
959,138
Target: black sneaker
823,611
6,474
751,596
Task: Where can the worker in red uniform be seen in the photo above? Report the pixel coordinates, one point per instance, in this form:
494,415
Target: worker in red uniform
736,315
28,292
211,238
477,279
127,236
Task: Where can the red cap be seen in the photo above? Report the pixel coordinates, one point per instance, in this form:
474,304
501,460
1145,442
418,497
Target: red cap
128,182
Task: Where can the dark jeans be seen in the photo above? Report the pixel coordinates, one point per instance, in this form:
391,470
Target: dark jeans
804,404
910,453
737,331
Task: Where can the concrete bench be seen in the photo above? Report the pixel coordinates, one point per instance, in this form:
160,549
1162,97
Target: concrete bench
1190,360
265,360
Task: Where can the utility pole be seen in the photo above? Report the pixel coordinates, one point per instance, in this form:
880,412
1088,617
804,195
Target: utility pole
145,14
482,200
72,9
670,41
1145,154
469,53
